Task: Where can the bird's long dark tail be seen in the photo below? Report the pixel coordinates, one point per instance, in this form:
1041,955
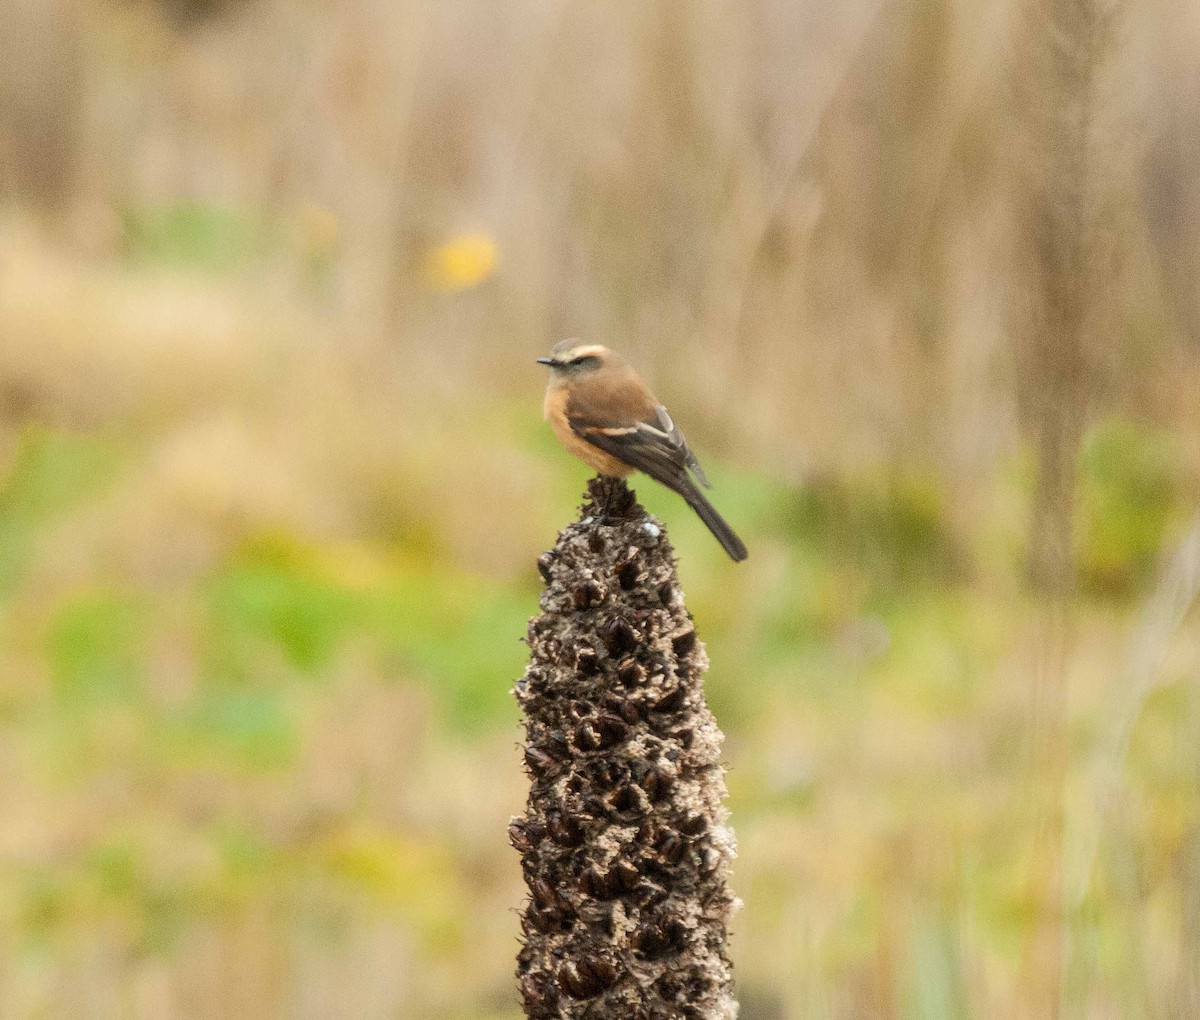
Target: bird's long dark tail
715,522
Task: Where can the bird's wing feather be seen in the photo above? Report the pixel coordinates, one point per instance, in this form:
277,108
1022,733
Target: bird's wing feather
651,442
667,425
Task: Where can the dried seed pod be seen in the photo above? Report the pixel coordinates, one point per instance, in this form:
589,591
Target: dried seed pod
601,971
586,978
544,894
573,984
675,932
594,883
672,847
556,746
631,672
538,761
609,773
586,594
546,922
619,638
649,942
628,568
586,737
670,702
656,782
624,875
525,835
633,710
621,878
544,563
629,801
593,807
684,641
586,660
540,999
564,830
611,729
670,988
612,702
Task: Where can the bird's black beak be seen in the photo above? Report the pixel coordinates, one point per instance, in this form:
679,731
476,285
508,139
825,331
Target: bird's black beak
546,361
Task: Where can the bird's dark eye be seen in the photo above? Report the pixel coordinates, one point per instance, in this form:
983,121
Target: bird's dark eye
587,361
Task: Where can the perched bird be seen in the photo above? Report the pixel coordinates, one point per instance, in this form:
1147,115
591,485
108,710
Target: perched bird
603,413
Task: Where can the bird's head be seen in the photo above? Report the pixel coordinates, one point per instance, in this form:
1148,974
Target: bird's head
577,357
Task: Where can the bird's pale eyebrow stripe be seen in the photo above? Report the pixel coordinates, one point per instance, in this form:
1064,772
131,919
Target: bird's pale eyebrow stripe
583,351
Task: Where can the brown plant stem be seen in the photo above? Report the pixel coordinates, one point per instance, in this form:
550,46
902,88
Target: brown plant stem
623,843
1071,253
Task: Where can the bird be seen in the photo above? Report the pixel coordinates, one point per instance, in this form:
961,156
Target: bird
604,414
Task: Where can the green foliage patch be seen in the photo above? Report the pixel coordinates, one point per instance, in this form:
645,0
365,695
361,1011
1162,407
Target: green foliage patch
93,649
197,236
891,527
1131,493
456,633
51,472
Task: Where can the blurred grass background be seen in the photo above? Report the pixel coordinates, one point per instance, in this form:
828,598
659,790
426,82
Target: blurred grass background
273,480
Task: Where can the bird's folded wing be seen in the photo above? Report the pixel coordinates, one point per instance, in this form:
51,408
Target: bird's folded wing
652,444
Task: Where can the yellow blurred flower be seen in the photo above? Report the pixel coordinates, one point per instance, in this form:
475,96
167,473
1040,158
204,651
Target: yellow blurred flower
461,263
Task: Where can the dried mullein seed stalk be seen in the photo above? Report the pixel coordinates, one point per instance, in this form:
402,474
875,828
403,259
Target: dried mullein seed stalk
624,842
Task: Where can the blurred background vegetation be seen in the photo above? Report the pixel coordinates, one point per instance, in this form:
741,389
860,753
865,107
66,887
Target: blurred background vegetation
920,280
